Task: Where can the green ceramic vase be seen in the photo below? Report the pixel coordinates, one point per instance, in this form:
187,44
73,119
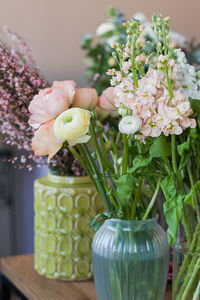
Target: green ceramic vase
63,208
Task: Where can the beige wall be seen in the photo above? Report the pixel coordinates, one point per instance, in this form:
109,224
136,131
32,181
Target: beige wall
53,28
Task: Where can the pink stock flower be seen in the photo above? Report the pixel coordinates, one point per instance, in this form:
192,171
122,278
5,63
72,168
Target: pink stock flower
126,66
50,102
85,98
45,142
152,104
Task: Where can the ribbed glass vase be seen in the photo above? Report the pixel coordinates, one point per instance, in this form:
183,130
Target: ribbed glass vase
130,260
63,208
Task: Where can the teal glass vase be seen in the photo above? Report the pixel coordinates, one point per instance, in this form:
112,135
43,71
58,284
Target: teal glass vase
130,260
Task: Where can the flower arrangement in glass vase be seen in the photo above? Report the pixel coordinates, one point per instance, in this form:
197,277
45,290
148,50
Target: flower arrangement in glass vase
141,135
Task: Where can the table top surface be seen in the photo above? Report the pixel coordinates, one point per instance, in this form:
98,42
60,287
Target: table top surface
19,270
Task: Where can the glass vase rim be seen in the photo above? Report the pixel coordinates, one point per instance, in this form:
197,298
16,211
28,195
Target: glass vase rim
181,247
133,222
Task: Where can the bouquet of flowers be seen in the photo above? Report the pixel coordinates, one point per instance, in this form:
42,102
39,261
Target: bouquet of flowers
20,81
141,135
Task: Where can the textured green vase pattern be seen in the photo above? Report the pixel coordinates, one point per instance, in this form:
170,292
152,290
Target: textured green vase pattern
63,208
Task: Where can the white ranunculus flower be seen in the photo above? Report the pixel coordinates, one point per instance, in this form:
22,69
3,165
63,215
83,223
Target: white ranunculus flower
72,125
104,28
130,124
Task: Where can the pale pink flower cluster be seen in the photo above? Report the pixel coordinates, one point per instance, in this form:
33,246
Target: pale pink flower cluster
152,104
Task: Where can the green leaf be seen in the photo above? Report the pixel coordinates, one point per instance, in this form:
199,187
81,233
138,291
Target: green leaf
139,162
189,199
125,188
173,207
187,149
160,147
173,213
98,220
195,104
183,147
168,187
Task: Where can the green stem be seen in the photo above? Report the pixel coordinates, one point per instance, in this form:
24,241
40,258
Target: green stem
135,77
192,273
101,160
91,171
169,83
186,261
125,154
85,166
137,196
197,292
114,146
167,165
192,183
118,138
103,180
106,154
152,200
173,148
95,175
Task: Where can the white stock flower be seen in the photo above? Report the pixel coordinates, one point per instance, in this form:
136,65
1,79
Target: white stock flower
180,56
104,28
186,79
130,124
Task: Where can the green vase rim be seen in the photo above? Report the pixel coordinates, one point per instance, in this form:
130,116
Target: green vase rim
68,179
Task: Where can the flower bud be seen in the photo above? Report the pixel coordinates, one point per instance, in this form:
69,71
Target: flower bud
123,111
108,146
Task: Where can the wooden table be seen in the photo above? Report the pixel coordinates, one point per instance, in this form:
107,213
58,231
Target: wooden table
18,272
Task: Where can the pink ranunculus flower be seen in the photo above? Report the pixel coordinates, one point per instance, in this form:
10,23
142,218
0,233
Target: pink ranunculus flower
45,142
85,98
107,101
50,102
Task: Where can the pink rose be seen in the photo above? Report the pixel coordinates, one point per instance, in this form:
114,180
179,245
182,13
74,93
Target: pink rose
45,142
50,102
85,98
107,100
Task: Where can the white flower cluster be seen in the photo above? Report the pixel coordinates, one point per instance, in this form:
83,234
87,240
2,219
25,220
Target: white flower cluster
186,77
